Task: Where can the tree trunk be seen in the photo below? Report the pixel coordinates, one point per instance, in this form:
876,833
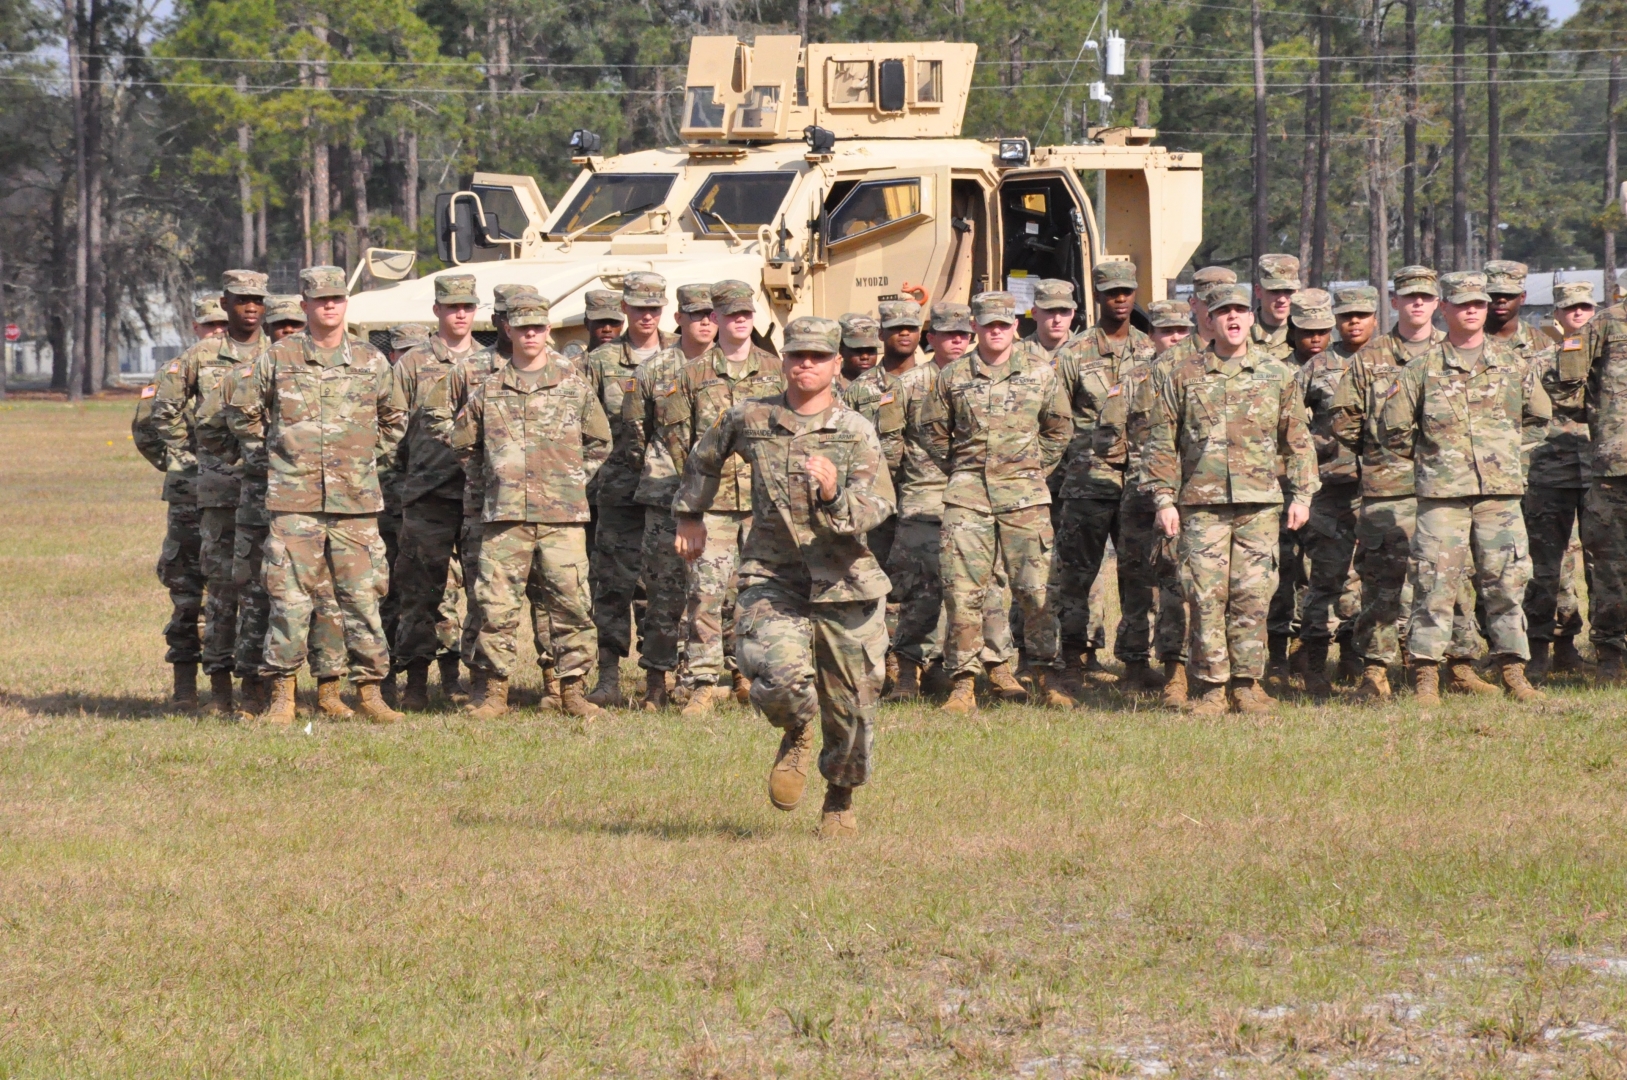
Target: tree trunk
260,245
1324,143
245,186
57,320
305,212
1460,139
1409,204
1262,174
1494,132
358,190
1378,219
802,20
1611,194
74,25
1144,101
1307,179
322,244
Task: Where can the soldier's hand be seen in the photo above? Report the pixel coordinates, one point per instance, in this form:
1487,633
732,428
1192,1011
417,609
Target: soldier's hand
824,474
691,538
1169,520
1297,516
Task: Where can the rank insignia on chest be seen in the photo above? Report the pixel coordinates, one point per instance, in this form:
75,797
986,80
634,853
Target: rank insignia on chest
149,391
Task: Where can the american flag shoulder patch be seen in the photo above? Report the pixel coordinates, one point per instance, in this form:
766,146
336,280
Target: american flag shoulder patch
149,391
1118,389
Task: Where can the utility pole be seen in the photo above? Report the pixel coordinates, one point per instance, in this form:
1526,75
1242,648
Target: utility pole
1460,139
1494,131
1262,170
1409,205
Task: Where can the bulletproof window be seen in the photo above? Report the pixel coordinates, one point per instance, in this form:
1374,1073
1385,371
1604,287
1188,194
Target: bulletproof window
505,218
802,85
873,205
929,82
744,200
849,83
702,109
609,201
760,111
891,90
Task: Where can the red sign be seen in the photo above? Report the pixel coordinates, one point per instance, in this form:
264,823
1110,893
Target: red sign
13,332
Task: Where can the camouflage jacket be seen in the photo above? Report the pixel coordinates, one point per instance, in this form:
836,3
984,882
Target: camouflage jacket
531,450
657,377
1319,381
700,396
1121,429
1531,344
612,371
1354,415
425,465
448,397
180,485
1029,346
1604,347
1466,429
997,432
874,396
215,435
1091,367
1565,458
815,548
317,433
1218,430
1274,343
189,394
920,483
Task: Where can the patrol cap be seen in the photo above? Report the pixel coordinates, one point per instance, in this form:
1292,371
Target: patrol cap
1416,280
814,335
860,331
993,307
1213,275
694,299
1311,309
1355,300
949,318
1054,294
317,282
602,305
899,313
1169,313
1463,286
1505,277
526,310
1225,296
281,309
244,283
406,335
1277,272
1569,294
455,289
732,297
208,310
1207,291
1117,274
643,289
504,295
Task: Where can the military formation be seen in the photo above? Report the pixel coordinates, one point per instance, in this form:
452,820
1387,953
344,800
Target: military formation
894,505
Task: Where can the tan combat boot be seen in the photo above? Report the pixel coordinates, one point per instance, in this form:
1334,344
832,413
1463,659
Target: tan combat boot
1249,698
789,776
1537,669
907,687
493,701
1208,699
1005,684
608,692
1071,677
742,690
891,679
1464,680
1514,681
370,702
1375,683
1426,681
328,701
478,680
1276,665
962,694
184,697
1048,690
702,698
1567,661
1174,684
415,698
451,688
655,690
837,821
220,693
550,690
573,702
1316,670
279,708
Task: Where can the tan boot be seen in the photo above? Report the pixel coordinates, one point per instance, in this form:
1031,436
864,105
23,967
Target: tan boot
573,702
479,679
1316,670
1174,684
328,701
1426,682
962,694
1071,677
1514,681
655,690
891,679
1208,699
1297,663
451,689
1567,661
550,690
279,709
1537,668
789,776
702,699
837,821
1005,684
415,698
184,697
1276,665
608,692
493,701
220,693
1375,683
1250,699
742,690
371,704
1464,680
1048,690
907,686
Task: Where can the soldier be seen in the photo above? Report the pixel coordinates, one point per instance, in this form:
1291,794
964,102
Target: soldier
404,337
1220,423
733,372
1458,411
619,531
432,485
1092,489
532,435
1604,508
1505,284
602,316
1283,620
208,318
861,347
189,393
997,424
316,412
283,318
664,572
811,624
1054,312
1276,279
1203,280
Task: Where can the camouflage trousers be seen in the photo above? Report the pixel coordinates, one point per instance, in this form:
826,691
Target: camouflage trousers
423,581
665,589
812,662
390,606
1329,541
1550,516
915,568
1384,532
1575,567
1083,529
326,643
1293,579
217,528
181,572
1228,557
1604,539
469,542
1490,531
973,541
342,555
710,603
1140,635
511,553
880,539
618,555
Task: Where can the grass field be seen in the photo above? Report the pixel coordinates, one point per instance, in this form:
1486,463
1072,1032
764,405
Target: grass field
1118,890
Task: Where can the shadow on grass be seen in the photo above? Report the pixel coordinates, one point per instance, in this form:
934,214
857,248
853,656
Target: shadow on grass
109,706
477,817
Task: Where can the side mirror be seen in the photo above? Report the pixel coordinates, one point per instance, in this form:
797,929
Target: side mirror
454,228
387,264
891,90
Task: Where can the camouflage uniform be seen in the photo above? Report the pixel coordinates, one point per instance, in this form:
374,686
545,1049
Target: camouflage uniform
1454,414
810,625
997,432
1274,272
1604,509
1219,428
403,337
180,566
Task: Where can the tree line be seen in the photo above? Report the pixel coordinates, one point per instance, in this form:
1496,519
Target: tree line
151,145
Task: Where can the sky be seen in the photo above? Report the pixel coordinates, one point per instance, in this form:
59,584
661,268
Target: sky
1560,10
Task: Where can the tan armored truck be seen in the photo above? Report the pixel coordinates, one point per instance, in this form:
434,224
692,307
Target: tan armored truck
829,176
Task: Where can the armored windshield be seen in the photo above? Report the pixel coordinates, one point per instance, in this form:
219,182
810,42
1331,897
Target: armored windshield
744,200
609,201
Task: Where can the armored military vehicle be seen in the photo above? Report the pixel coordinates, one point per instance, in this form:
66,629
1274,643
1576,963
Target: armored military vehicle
830,176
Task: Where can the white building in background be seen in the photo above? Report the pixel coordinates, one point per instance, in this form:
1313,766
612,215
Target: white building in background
140,351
